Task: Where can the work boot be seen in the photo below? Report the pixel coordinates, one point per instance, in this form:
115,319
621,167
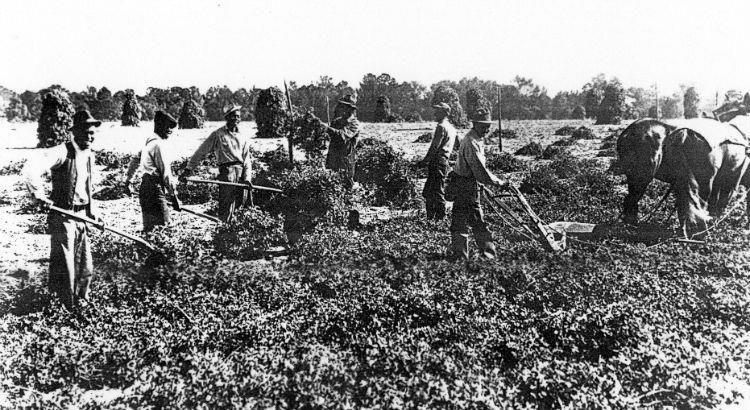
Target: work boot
459,246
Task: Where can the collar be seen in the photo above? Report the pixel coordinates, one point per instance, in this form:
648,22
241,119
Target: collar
236,128
76,147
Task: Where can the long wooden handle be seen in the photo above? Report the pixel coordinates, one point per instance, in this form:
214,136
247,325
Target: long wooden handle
235,184
99,225
201,214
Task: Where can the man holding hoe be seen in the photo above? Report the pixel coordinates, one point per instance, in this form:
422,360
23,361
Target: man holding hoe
70,164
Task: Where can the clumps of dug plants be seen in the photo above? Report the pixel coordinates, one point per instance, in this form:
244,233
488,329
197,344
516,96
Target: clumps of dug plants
131,110
55,119
553,151
583,133
424,138
506,133
499,161
191,193
250,233
13,168
111,160
110,188
565,142
565,130
381,167
191,116
271,114
312,195
449,96
532,149
310,135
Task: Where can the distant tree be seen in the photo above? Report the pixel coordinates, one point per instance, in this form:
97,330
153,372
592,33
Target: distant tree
246,98
653,113
55,118
579,112
216,99
476,100
191,115
105,108
449,96
690,103
671,106
33,102
593,93
16,111
149,106
612,106
271,115
131,111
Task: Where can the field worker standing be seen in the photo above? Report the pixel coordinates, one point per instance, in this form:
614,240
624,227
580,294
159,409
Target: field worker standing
232,151
471,170
436,160
157,180
70,165
343,133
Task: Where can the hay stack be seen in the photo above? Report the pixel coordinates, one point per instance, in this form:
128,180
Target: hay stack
449,96
55,119
191,116
271,114
131,110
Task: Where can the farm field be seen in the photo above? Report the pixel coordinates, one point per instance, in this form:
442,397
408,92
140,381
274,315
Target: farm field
375,317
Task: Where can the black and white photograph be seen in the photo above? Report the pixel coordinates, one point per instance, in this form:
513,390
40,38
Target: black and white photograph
350,204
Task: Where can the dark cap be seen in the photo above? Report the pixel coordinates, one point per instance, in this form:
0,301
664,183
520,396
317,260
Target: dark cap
482,116
83,119
161,117
348,100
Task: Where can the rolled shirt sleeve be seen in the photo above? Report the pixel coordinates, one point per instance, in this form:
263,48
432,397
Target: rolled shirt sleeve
33,171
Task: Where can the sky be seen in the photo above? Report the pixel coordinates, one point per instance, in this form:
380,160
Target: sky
559,44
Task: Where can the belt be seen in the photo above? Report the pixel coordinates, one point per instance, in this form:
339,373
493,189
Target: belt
78,208
231,163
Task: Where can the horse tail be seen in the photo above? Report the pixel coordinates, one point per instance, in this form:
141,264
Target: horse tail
691,208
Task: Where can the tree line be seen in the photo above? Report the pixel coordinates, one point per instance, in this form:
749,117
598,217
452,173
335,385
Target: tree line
381,98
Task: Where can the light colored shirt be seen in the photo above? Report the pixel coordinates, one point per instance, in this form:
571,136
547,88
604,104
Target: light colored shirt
442,141
155,159
471,161
52,158
228,146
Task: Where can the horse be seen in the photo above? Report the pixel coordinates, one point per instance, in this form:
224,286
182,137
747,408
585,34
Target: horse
709,161
640,157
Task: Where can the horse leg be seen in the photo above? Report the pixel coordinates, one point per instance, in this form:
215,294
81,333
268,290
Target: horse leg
636,189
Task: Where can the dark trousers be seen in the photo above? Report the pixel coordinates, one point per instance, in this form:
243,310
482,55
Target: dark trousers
467,213
154,204
70,266
230,197
434,189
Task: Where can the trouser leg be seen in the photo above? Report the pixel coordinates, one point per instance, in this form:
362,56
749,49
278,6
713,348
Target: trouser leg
154,205
482,234
460,230
84,268
61,260
434,190
230,198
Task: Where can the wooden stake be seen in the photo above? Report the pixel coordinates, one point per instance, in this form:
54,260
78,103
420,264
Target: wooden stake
328,111
291,114
499,119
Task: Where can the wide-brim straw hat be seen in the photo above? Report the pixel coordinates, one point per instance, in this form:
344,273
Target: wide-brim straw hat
83,119
482,116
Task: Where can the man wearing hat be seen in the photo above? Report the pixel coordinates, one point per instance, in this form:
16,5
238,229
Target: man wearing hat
343,133
232,151
436,160
70,164
157,180
471,170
